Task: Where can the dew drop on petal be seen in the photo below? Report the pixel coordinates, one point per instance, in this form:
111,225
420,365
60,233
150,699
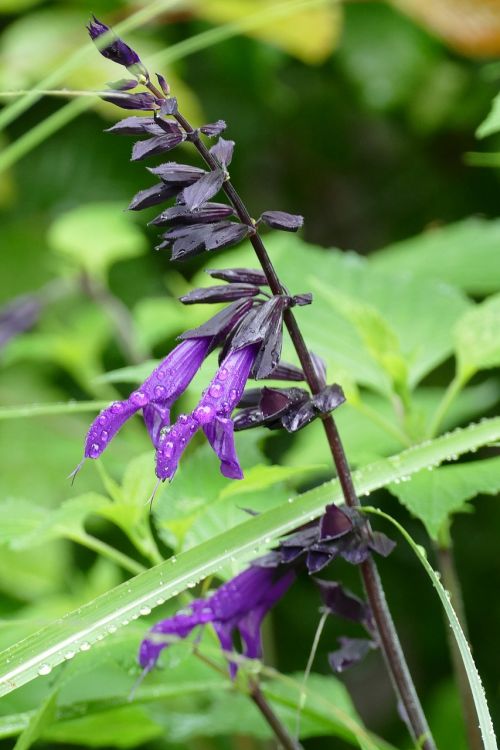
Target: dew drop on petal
69,655
144,611
139,398
95,450
160,391
85,646
103,419
233,395
104,435
117,407
222,374
203,414
215,390
183,418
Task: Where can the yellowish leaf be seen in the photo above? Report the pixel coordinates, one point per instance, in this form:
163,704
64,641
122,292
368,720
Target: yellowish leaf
472,27
308,33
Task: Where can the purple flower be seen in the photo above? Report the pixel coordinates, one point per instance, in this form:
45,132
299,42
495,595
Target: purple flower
238,605
116,49
155,396
213,415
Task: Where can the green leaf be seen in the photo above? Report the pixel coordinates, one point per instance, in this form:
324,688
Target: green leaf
38,722
477,338
485,723
434,496
95,236
378,338
94,621
465,254
124,727
491,124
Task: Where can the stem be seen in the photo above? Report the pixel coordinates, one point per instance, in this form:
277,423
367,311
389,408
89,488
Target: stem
451,583
120,317
388,638
96,545
449,396
280,731
385,424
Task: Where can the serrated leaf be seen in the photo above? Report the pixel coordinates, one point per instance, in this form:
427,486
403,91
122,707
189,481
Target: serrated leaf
445,253
477,338
95,236
92,622
434,496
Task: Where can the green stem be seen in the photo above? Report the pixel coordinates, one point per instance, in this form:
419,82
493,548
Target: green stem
385,424
449,396
451,582
42,410
96,545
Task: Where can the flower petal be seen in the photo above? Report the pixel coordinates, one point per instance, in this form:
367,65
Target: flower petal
204,189
158,144
152,196
220,435
282,220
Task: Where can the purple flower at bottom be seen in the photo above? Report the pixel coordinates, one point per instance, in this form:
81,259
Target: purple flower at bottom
155,396
213,415
238,605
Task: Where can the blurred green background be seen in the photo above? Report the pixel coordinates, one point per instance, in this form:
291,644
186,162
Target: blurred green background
358,116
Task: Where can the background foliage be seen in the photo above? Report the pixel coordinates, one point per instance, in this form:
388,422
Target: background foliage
363,118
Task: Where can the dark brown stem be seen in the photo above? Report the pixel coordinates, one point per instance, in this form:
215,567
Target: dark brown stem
451,583
279,730
388,638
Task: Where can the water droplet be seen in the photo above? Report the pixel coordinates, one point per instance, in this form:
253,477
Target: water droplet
191,585
103,419
291,499
44,670
125,622
144,611
138,398
85,646
69,655
215,390
117,407
203,414
112,629
168,449
95,450
160,391
183,418
224,407
173,559
104,435
160,601
267,540
222,374
233,395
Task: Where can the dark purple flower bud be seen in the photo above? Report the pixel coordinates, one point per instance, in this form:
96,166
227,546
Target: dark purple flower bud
115,48
152,196
18,316
214,128
381,544
124,84
286,371
239,275
213,415
226,234
263,325
351,651
322,403
223,323
157,145
155,396
334,523
163,84
208,213
213,294
239,605
223,152
131,101
135,126
186,241
204,189
179,174
282,220
343,603
302,299
169,106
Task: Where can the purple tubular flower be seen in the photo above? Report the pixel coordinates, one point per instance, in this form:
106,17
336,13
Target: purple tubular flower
116,49
213,415
155,396
238,605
